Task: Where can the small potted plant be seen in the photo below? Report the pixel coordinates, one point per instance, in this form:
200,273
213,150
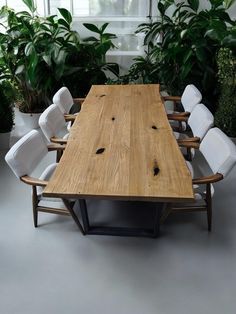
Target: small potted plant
6,114
33,53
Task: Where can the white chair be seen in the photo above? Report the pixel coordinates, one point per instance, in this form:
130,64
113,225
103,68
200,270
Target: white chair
53,125
220,154
23,158
190,98
199,121
64,100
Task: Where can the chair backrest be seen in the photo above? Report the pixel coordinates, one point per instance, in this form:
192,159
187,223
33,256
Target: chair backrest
52,123
63,100
190,97
200,120
24,156
219,151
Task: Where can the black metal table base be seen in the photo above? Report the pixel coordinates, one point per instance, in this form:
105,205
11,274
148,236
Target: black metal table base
120,231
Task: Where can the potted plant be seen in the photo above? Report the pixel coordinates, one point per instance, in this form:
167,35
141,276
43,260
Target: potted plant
225,117
33,51
87,62
6,114
185,43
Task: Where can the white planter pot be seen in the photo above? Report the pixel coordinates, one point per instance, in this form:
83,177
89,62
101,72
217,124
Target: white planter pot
5,140
30,120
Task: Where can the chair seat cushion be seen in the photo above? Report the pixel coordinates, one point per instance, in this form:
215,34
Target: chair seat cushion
199,190
65,137
46,175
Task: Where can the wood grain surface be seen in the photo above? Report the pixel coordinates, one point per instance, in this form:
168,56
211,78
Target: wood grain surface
121,146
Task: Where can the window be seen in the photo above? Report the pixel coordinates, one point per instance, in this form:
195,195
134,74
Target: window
123,16
18,5
99,8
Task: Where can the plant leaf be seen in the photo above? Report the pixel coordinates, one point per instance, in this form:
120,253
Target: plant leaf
229,3
103,27
29,48
64,23
66,15
30,4
194,4
91,38
92,28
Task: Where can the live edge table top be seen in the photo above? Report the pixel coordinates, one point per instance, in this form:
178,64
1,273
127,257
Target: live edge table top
121,146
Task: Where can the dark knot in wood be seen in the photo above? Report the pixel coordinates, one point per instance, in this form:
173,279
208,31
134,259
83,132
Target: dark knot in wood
100,150
156,169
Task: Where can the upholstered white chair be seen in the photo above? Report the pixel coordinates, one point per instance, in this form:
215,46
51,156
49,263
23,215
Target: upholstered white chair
23,158
190,98
53,125
220,154
199,121
64,100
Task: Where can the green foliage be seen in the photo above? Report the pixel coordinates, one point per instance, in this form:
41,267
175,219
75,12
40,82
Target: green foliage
225,117
30,4
33,54
39,55
184,44
6,108
88,61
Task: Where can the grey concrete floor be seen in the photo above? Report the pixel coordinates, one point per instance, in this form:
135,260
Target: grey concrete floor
54,269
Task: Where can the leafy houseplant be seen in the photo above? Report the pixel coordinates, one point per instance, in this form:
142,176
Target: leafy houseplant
88,61
33,51
184,44
225,117
39,55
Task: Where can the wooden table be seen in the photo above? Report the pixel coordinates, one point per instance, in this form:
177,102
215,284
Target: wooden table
121,147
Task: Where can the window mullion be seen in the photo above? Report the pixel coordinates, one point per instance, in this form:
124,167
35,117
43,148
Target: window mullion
72,7
47,7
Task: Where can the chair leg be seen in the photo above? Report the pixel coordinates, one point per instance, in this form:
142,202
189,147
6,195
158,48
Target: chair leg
189,154
35,205
59,154
209,206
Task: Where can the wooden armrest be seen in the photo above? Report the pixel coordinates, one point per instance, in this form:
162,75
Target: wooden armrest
78,100
33,181
52,147
183,114
172,98
58,140
188,144
69,117
208,179
177,117
194,139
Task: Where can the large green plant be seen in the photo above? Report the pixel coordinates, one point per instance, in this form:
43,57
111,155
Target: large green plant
33,53
6,108
225,117
185,42
88,61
